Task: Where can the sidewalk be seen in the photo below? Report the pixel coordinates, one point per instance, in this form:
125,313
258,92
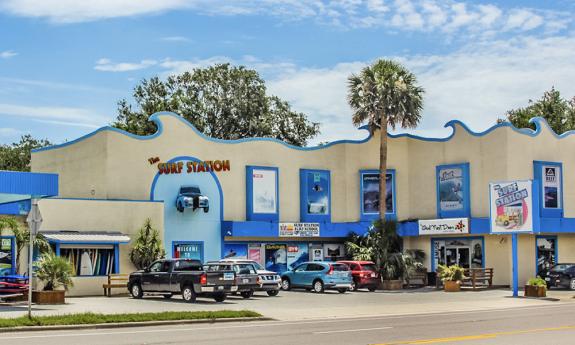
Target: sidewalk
298,305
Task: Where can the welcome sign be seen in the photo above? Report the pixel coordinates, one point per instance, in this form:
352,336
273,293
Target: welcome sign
511,206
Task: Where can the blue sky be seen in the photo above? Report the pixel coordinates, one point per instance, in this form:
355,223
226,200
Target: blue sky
64,63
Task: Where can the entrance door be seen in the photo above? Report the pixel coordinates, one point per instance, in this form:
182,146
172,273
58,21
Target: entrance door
457,256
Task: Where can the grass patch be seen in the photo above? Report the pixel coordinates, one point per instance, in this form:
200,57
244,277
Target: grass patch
93,318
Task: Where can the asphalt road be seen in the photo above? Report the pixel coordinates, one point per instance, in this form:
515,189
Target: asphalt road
530,325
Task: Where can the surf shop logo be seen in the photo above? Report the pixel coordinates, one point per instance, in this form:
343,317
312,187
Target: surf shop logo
512,210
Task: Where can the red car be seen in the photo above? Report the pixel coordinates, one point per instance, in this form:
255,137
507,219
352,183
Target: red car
364,275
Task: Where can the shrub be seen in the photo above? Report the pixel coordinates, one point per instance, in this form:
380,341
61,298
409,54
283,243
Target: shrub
55,271
537,282
147,246
451,273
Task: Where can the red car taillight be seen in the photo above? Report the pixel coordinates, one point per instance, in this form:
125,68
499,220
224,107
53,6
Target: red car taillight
204,279
330,269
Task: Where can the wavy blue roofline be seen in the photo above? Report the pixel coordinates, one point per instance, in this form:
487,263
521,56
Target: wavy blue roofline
155,118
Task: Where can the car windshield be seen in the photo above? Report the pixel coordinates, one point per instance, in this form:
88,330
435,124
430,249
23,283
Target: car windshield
239,267
187,265
190,190
340,267
258,266
369,267
561,267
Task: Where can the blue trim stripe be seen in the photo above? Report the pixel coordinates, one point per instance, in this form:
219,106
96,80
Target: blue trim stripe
24,185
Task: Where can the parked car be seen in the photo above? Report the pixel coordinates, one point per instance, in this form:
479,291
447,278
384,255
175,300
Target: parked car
270,282
247,279
561,275
318,276
191,197
185,276
364,275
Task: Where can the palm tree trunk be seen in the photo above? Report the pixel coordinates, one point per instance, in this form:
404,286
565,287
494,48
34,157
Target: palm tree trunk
382,167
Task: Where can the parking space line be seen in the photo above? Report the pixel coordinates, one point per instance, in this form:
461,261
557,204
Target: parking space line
352,330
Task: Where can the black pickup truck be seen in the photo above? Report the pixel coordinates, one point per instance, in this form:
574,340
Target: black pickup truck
185,276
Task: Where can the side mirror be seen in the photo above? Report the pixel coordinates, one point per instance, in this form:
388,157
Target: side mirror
147,270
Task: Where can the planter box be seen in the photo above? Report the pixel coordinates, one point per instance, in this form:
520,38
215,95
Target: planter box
49,297
393,284
452,286
535,291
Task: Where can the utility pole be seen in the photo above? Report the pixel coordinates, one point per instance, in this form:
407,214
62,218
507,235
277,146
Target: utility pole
34,221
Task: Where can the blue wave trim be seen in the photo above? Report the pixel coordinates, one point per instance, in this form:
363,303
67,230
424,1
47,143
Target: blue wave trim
539,122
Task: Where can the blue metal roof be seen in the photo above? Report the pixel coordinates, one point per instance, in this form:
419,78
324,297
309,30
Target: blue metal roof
18,185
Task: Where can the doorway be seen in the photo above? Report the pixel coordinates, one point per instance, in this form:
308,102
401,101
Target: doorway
458,256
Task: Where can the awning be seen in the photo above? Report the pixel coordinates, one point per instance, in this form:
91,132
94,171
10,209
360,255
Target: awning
18,185
91,237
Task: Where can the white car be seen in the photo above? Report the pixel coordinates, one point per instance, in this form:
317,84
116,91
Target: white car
270,282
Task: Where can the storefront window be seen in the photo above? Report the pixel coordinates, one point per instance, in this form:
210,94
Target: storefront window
546,253
235,251
189,250
467,253
6,257
370,193
262,193
452,190
315,195
276,257
94,261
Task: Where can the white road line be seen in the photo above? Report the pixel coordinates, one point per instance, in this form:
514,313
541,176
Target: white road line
352,330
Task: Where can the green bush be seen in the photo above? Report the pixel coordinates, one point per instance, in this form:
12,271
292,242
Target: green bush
55,271
537,282
451,273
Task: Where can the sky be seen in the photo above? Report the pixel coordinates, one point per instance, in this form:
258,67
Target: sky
64,64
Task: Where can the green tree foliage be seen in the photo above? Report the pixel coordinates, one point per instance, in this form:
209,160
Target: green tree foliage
221,101
147,246
55,271
385,94
22,237
16,157
559,112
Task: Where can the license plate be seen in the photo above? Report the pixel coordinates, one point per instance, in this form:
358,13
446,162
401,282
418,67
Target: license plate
234,288
220,287
245,280
228,276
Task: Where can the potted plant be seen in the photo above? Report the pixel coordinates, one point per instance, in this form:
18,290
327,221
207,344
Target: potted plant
536,287
56,273
451,276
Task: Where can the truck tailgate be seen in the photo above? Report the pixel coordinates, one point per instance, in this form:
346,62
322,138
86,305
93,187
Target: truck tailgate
225,278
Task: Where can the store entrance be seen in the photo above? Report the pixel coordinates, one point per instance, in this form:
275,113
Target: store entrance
458,256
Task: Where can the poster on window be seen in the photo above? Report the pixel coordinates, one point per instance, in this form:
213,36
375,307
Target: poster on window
316,254
235,251
317,193
551,186
297,253
276,257
264,191
451,189
333,251
6,257
255,253
370,197
511,207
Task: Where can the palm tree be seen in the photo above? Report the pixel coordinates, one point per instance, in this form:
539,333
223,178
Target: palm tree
385,94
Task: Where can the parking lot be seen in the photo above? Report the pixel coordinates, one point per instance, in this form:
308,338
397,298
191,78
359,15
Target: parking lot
300,305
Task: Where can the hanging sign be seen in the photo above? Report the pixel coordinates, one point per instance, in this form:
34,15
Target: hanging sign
444,226
551,186
511,206
298,229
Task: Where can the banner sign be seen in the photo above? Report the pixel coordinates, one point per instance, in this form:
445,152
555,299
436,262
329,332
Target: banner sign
298,229
551,186
451,189
511,206
264,191
444,226
370,193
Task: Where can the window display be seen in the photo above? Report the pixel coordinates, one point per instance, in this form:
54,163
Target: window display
90,261
370,192
452,190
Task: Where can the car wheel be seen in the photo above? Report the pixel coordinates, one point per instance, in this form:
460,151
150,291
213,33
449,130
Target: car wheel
371,288
220,297
247,294
354,286
188,294
273,292
318,286
286,284
168,296
572,284
342,290
136,291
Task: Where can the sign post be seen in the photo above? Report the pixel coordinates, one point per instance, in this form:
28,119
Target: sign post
34,221
513,209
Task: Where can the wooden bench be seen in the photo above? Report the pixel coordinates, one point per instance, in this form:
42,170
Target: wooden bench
417,276
115,281
478,277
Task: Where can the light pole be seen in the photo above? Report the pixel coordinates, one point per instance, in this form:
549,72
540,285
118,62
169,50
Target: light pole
34,221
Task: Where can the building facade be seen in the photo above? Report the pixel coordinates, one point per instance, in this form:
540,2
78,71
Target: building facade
280,204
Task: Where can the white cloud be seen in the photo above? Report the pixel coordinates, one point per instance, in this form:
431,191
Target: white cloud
6,132
176,39
106,65
7,54
61,115
447,16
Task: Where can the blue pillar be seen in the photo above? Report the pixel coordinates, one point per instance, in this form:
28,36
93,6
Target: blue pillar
515,266
116,258
57,248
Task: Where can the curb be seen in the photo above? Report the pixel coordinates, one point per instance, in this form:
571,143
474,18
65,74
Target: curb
130,324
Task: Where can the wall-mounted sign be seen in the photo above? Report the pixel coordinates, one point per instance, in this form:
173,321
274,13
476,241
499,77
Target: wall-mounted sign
190,166
264,191
451,189
298,229
511,206
370,193
551,186
444,226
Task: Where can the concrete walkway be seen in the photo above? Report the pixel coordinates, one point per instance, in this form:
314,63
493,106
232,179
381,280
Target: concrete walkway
299,305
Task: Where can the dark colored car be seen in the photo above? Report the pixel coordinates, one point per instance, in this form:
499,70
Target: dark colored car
191,197
185,276
561,275
318,276
364,275
247,279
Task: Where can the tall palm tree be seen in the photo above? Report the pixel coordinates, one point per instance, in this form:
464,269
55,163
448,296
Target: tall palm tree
385,94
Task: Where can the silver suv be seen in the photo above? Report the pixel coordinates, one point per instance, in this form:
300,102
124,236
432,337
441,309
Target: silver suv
270,282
